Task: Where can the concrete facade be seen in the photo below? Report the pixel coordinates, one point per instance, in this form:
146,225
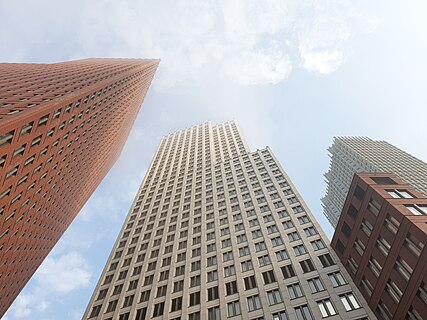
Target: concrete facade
215,232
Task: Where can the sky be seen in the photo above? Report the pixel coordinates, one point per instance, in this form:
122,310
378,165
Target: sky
292,73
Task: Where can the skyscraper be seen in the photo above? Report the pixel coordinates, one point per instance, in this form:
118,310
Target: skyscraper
381,238
360,154
217,231
62,127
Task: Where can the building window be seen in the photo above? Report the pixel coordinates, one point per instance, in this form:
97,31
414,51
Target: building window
383,311
247,265
346,230
326,308
403,268
158,309
400,194
213,293
250,282
337,279
391,224
274,297
269,277
303,313
367,286
417,209
233,308
288,271
413,244
317,244
254,303
383,245
315,285
299,250
231,288
194,298
176,304
282,255
214,313
366,227
349,301
394,291
295,291
280,316
359,193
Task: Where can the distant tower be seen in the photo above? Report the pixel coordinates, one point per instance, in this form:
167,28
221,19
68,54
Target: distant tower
218,232
62,127
360,154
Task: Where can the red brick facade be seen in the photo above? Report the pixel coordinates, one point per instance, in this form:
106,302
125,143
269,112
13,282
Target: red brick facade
381,239
62,127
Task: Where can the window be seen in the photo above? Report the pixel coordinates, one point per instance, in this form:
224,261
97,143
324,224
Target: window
244,251
214,313
195,281
250,282
359,193
254,303
394,291
383,180
260,246
288,271
264,260
299,250
366,227
403,194
176,304
274,297
349,301
307,266
212,276
194,298
303,313
277,241
403,268
178,286
158,309
295,291
229,271
317,244
213,293
293,236
247,265
233,308
282,255
326,260
269,277
417,209
383,245
315,285
227,256
211,261
375,266
346,230
352,212
231,288
413,244
337,279
161,291
280,316
326,308
391,224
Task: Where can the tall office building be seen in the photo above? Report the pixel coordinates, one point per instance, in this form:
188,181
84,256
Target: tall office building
217,231
381,238
360,154
62,127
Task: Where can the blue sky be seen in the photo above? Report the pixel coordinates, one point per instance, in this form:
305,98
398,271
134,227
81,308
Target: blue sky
292,73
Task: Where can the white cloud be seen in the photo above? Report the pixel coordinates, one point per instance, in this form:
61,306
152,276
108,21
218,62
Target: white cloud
323,62
57,276
63,274
245,41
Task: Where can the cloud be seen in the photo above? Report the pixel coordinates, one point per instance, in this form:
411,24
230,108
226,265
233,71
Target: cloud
56,277
323,62
64,274
248,42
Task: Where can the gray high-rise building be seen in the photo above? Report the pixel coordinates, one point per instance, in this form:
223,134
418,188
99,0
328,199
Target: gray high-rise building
350,155
217,232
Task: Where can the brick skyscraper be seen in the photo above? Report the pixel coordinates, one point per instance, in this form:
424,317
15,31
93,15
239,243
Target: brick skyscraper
360,154
217,231
381,238
62,127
